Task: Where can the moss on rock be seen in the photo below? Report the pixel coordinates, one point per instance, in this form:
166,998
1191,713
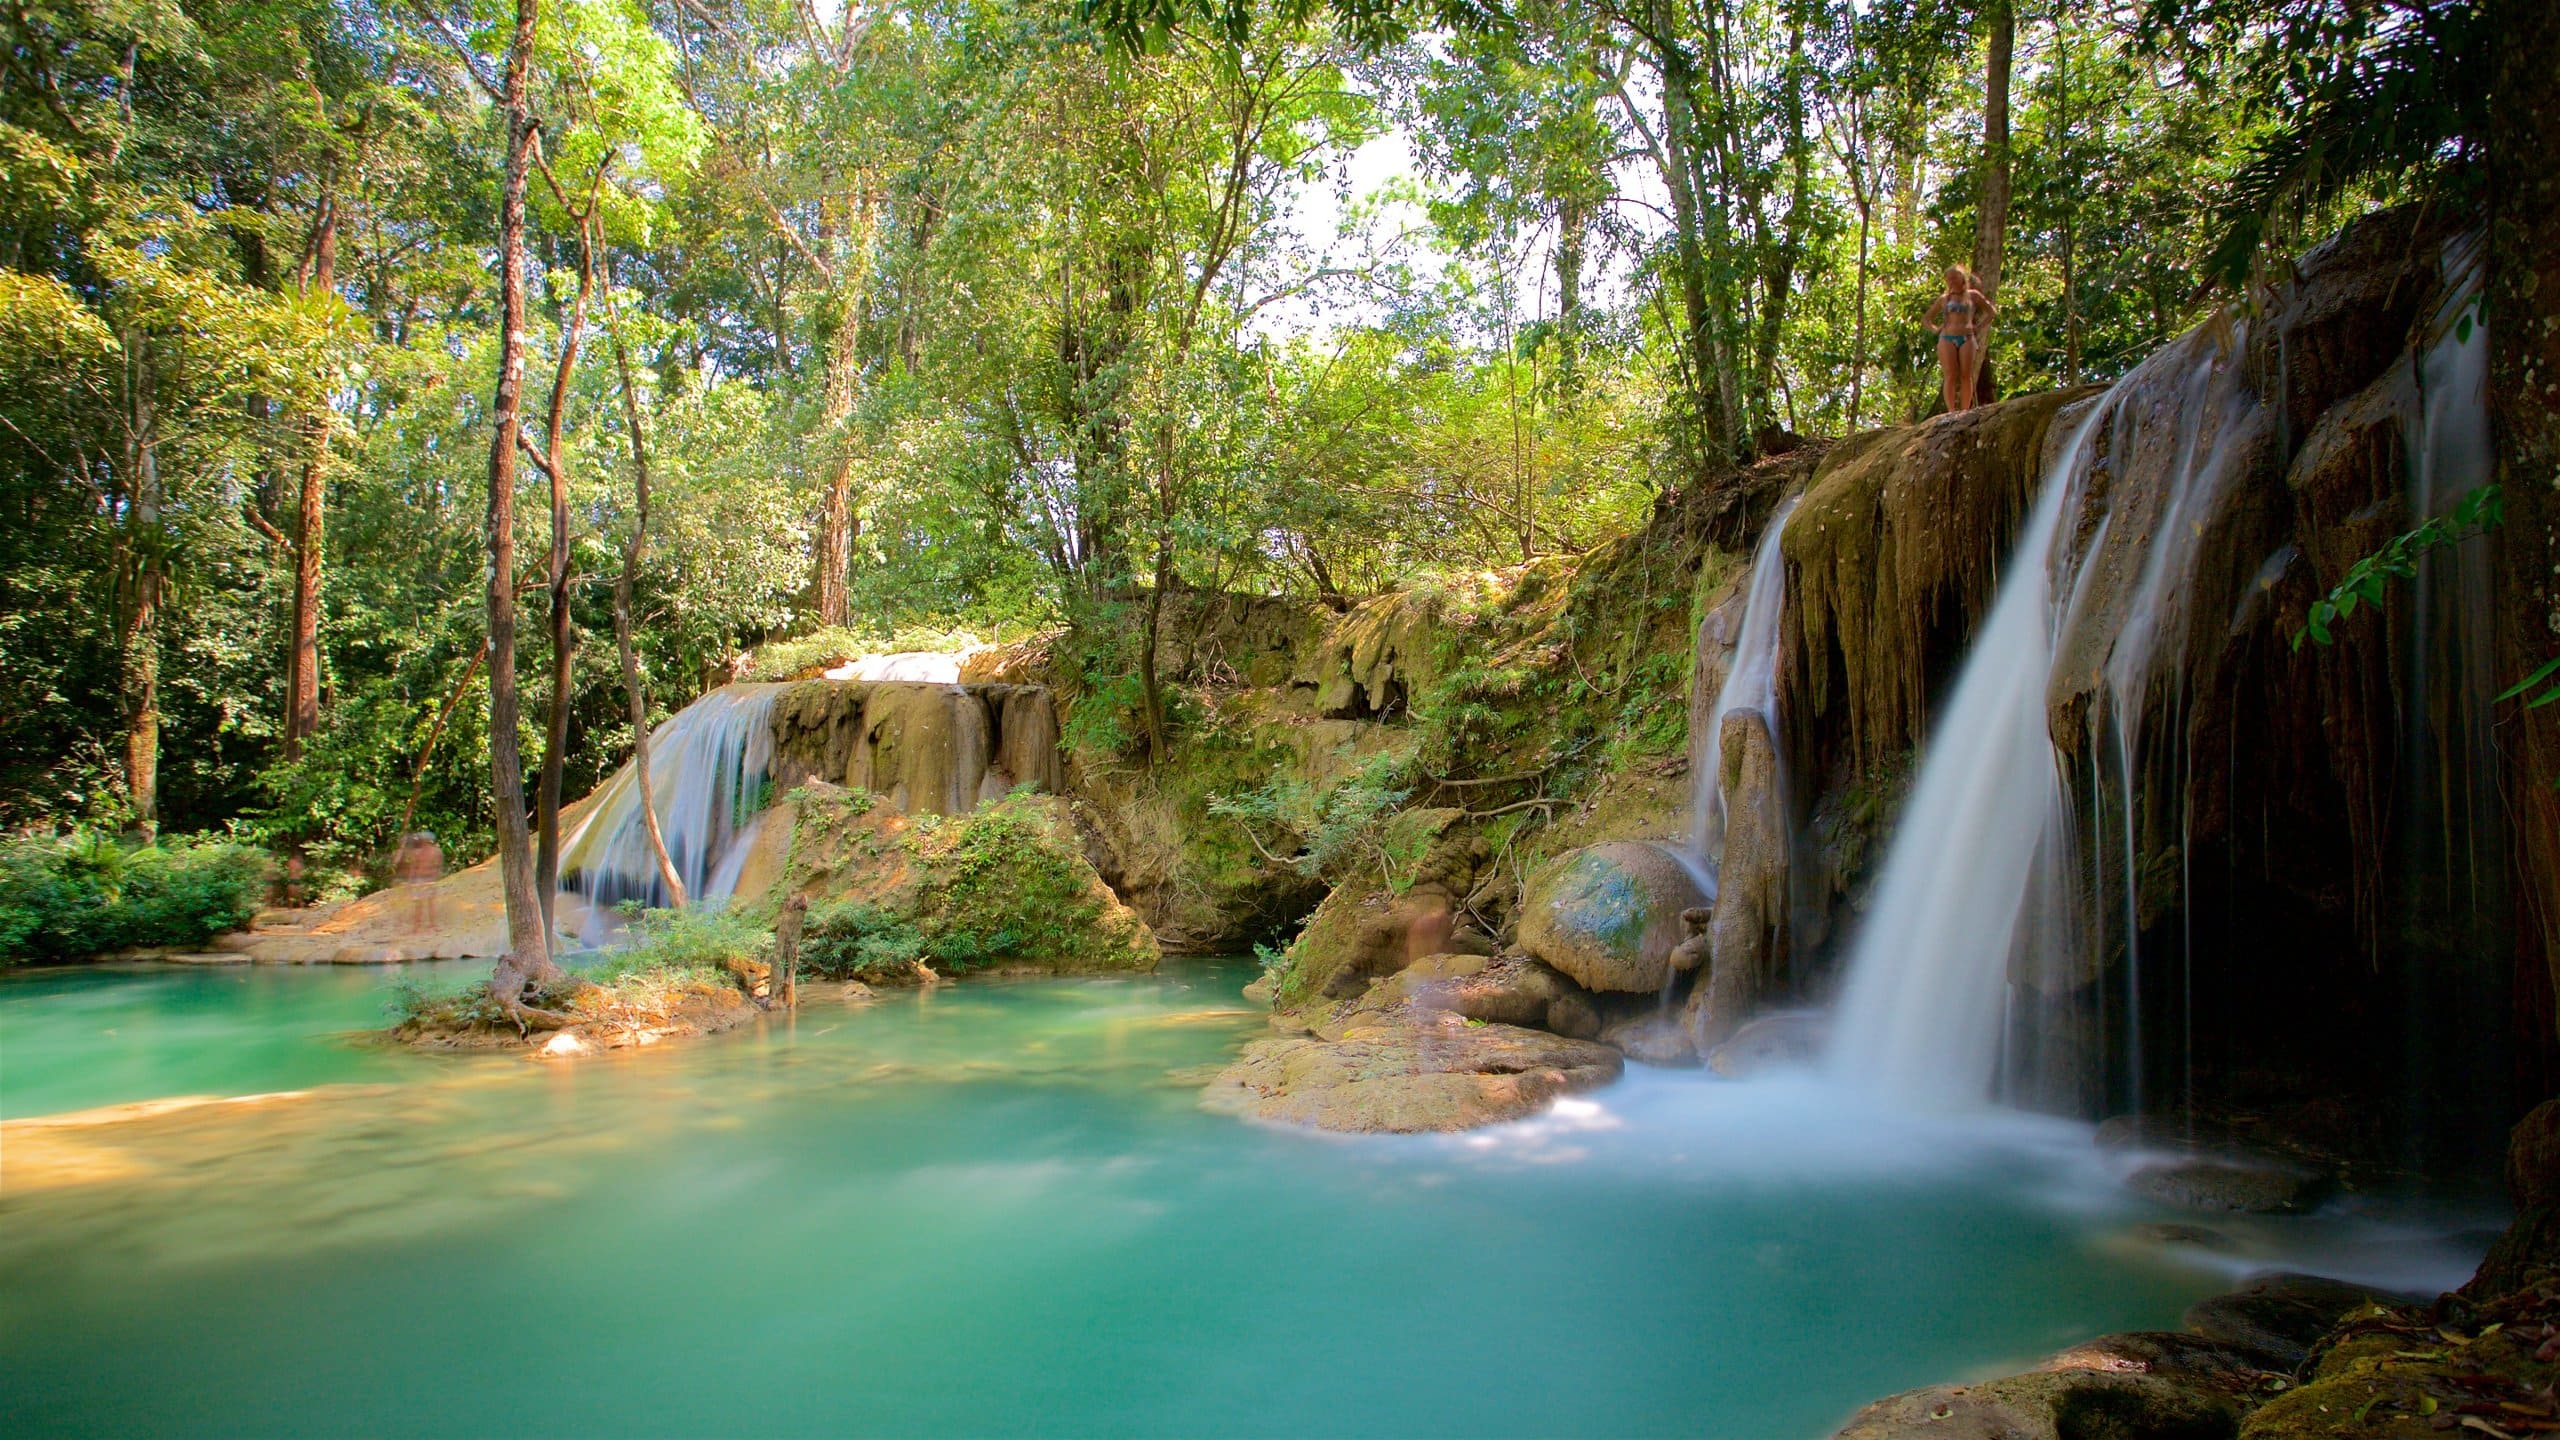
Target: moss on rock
1006,887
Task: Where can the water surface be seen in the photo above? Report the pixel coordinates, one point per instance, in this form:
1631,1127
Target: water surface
988,1210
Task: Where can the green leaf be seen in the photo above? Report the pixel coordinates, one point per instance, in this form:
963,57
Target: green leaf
2549,668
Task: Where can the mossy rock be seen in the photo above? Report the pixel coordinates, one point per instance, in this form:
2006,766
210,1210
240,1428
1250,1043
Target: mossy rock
1006,887
1367,926
2048,1405
1608,916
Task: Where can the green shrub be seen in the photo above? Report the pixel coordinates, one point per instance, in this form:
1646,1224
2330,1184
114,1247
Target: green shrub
70,896
852,939
695,939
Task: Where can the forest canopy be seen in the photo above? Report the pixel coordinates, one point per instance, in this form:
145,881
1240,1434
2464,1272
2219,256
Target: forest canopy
928,318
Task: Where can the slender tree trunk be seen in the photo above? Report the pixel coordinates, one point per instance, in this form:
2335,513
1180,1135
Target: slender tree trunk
564,640
148,556
528,958
625,637
2070,204
1150,691
1573,228
1991,223
832,553
1858,332
302,661
1708,402
2523,310
1779,279
435,732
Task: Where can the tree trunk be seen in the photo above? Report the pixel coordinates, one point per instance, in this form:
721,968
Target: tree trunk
148,555
528,958
625,637
302,661
2070,204
1573,226
1779,277
1150,692
1707,401
564,642
2523,310
1991,217
832,551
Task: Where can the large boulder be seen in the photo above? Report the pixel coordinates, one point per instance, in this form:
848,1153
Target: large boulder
1006,888
1608,915
2281,1316
1784,1040
1409,1073
1364,930
1751,893
1496,989
2531,1245
2243,1186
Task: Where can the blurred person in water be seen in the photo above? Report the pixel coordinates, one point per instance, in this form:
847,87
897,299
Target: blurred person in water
416,868
1961,316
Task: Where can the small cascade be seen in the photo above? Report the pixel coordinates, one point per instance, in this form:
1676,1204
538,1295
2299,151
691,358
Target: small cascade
2445,428
906,667
711,769
2452,871
1750,683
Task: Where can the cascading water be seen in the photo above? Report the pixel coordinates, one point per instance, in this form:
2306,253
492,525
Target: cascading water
1979,875
1921,1015
1984,919
711,768
1750,683
2453,868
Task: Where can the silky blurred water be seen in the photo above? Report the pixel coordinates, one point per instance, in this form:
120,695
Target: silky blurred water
992,1209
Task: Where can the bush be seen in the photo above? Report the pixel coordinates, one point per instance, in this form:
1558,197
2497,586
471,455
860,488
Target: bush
70,896
855,939
698,938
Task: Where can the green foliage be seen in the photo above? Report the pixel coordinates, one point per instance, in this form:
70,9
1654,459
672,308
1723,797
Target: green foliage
855,939
1326,832
71,896
697,938
2368,579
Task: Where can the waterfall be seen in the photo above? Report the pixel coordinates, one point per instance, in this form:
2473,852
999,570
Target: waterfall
1920,1017
1750,683
2453,865
711,769
2445,430
1978,882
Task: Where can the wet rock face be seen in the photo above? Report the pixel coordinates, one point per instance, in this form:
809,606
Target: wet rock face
1608,916
2531,1245
2281,1316
1396,1075
2231,1186
925,749
1892,555
1751,891
1789,1039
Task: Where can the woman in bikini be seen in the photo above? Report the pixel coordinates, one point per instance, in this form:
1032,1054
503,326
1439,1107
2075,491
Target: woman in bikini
1961,317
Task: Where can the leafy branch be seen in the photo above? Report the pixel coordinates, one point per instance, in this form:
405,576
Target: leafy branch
2368,579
